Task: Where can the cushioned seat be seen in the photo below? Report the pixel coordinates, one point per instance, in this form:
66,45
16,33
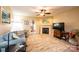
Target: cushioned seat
4,40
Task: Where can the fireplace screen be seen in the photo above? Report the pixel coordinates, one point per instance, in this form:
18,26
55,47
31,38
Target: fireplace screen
45,30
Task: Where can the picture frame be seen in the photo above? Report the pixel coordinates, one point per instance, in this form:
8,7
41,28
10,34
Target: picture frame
26,22
45,21
5,16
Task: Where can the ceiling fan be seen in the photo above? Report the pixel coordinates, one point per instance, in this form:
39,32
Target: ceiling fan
43,12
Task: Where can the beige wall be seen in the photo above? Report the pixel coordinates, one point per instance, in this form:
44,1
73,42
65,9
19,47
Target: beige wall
0,14
70,18
5,27
39,21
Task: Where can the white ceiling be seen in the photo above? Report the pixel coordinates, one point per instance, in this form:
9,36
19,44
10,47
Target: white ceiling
31,10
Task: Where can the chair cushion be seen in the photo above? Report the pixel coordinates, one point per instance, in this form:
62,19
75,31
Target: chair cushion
13,42
5,36
11,35
1,38
3,44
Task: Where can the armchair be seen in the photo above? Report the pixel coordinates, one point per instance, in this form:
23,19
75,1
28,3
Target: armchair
7,40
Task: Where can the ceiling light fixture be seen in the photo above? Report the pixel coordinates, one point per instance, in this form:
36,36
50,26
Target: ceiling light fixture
43,12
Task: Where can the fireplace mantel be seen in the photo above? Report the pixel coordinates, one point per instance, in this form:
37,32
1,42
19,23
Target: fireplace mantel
46,26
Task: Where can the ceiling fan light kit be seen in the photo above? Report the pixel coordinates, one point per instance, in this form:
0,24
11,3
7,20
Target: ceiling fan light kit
43,12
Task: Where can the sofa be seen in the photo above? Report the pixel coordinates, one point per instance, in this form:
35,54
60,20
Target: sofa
12,41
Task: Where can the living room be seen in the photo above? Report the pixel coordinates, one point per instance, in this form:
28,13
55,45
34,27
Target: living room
37,22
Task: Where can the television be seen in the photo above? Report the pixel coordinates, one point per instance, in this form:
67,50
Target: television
59,26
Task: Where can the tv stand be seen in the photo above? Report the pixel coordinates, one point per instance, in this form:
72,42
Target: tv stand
61,34
58,33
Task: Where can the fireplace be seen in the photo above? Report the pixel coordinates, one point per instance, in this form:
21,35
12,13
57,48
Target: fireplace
45,30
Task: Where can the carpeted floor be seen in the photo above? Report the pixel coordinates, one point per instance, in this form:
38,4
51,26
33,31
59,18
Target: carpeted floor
46,43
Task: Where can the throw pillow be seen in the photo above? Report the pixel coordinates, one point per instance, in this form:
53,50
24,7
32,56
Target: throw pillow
14,36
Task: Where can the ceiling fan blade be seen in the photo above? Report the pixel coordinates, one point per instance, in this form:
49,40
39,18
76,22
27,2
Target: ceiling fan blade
48,13
37,14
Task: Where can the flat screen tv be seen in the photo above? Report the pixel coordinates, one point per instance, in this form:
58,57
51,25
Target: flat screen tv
59,26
